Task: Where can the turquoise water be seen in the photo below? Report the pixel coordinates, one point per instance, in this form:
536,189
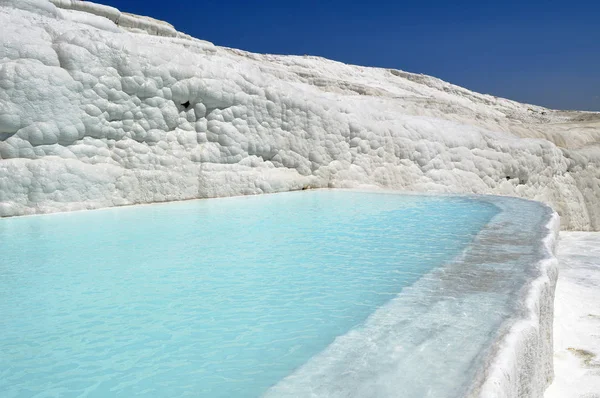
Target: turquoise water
211,298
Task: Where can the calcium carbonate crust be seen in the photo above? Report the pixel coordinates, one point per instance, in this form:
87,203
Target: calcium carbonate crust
512,258
101,108
523,363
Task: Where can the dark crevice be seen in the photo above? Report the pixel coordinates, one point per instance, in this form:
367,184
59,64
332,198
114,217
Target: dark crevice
522,181
4,136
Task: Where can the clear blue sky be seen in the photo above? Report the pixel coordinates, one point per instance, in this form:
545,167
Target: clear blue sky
535,51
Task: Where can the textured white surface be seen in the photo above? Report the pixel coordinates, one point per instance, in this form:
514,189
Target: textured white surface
523,365
93,114
379,360
577,318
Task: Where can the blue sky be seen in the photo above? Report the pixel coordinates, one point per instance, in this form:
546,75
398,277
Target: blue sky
540,52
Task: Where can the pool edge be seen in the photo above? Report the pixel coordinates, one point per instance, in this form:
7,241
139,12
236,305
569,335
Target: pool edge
523,365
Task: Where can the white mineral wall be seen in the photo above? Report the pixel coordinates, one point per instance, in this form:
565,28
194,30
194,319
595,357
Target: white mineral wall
101,108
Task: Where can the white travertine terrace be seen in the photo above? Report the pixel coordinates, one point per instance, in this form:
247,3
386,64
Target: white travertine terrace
577,317
512,259
101,108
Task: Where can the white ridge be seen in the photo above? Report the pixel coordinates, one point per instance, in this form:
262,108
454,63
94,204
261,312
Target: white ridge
102,108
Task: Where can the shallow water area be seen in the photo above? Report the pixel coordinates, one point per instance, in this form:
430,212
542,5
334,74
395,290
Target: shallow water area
244,296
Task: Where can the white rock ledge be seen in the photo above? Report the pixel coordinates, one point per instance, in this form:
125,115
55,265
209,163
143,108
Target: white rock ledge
523,365
577,317
508,273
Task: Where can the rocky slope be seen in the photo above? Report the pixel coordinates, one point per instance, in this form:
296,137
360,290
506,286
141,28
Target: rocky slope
101,108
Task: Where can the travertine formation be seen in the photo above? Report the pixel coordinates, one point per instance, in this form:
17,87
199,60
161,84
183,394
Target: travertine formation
101,108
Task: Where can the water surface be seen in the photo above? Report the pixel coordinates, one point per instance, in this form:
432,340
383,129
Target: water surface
213,298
